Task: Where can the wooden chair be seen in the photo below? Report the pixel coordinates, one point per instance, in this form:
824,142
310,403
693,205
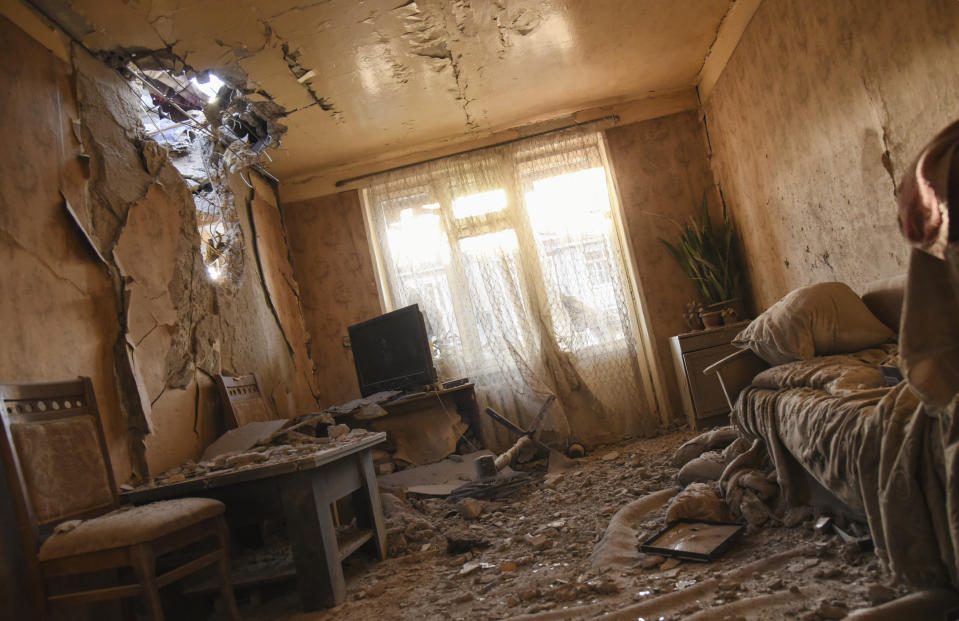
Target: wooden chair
243,400
55,457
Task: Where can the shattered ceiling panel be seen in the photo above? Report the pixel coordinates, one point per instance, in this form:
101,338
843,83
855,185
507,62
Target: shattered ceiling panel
359,78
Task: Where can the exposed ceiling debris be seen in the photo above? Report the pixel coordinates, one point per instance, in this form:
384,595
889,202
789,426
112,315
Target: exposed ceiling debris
210,131
363,82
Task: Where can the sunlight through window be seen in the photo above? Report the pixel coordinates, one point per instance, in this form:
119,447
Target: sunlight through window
491,244
479,204
418,239
575,202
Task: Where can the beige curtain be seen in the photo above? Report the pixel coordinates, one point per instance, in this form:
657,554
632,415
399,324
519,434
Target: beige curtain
514,257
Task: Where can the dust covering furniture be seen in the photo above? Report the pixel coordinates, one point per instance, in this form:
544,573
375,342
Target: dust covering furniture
840,438
692,352
69,518
306,488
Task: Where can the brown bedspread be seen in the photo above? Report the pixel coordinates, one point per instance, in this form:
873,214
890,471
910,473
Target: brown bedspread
876,449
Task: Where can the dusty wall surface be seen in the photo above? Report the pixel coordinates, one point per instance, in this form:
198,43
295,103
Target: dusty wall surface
661,173
331,254
813,97
121,293
58,314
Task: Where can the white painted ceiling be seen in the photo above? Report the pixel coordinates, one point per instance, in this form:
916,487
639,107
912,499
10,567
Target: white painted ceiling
365,80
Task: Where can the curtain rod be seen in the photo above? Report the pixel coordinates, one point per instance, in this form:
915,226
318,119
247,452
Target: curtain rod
614,118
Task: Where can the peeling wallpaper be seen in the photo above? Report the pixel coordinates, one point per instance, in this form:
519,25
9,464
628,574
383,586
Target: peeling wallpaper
661,174
58,314
120,293
801,120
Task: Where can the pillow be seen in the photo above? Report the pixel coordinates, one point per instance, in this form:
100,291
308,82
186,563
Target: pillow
884,299
826,318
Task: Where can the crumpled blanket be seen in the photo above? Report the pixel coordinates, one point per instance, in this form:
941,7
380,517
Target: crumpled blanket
838,375
874,448
890,455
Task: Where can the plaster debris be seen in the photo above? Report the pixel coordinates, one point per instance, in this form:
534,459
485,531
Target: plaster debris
528,557
278,447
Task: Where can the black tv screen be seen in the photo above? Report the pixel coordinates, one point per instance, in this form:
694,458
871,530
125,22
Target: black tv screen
392,352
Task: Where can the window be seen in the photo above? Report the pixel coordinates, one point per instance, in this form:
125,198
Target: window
513,255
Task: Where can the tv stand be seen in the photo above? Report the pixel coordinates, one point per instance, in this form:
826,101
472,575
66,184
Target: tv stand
459,399
454,383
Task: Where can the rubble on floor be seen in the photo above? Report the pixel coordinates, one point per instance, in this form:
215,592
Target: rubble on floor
565,547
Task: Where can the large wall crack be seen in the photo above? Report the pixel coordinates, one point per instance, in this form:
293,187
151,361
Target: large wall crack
300,8
13,241
881,110
262,274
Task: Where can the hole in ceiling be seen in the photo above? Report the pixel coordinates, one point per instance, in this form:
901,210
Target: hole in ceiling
198,122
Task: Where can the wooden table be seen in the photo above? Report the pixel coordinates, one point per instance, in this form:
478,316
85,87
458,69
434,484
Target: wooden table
406,415
307,487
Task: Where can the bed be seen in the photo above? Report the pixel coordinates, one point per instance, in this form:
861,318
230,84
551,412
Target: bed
839,438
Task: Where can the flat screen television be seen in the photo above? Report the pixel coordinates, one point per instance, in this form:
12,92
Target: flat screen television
392,352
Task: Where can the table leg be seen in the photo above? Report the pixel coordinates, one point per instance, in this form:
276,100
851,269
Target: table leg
371,513
309,523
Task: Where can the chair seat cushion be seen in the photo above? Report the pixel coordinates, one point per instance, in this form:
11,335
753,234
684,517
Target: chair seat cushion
129,526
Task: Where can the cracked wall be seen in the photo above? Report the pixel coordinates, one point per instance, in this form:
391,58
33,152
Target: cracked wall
58,315
115,287
817,101
359,83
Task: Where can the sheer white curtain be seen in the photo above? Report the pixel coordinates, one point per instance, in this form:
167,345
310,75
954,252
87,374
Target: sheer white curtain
513,255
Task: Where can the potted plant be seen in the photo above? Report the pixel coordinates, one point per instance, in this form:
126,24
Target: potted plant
709,257
693,315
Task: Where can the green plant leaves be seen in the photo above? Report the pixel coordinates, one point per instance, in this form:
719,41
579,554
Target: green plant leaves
708,256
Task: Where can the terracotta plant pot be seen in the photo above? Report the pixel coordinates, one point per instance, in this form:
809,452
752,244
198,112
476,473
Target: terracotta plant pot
734,304
712,319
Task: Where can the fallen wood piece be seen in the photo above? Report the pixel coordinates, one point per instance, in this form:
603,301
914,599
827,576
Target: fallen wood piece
243,438
503,485
499,418
675,601
506,458
438,479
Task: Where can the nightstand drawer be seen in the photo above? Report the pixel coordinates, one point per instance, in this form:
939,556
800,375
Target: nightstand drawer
704,390
692,352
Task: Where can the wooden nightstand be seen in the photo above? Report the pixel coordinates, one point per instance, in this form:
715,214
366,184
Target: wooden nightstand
692,352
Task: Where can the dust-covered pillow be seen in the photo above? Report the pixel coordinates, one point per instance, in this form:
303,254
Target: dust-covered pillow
817,320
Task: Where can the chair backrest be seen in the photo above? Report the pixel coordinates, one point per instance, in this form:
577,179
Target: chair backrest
55,452
242,400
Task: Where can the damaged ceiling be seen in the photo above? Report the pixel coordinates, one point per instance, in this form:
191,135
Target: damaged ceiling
361,83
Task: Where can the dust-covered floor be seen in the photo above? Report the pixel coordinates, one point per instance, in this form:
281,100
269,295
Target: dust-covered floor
530,555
